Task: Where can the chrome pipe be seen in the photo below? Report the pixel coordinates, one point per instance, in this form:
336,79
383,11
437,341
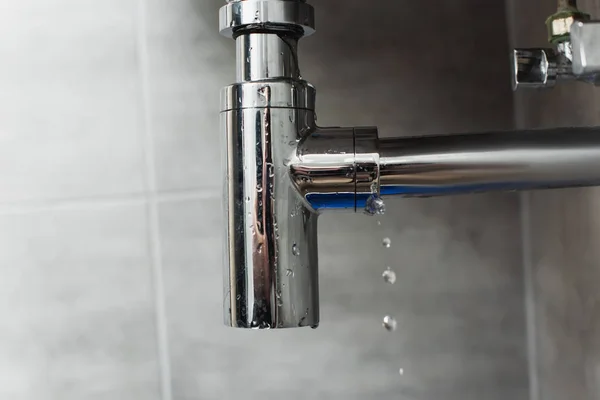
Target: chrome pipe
264,56
342,168
497,161
282,171
271,266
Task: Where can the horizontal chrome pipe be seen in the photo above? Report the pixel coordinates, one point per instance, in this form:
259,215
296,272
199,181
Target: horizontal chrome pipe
471,163
341,171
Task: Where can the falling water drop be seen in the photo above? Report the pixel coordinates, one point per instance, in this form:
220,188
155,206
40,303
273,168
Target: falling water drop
387,243
401,371
389,323
375,206
389,276
289,272
295,250
379,223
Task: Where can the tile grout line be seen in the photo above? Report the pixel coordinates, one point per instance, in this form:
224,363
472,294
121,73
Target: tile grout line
153,237
526,244
31,206
529,288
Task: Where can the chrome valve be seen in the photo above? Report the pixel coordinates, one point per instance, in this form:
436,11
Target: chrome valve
575,55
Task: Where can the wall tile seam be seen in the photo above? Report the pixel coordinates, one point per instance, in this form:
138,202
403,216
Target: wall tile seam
150,180
161,197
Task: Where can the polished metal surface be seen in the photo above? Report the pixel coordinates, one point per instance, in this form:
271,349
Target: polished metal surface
337,168
367,165
266,15
323,170
534,68
281,93
271,266
271,261
566,49
447,165
263,56
282,170
585,39
506,161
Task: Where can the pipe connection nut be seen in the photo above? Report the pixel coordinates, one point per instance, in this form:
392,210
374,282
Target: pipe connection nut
559,24
266,15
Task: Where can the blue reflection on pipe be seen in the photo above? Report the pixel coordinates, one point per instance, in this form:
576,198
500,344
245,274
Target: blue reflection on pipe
331,201
437,190
358,201
425,191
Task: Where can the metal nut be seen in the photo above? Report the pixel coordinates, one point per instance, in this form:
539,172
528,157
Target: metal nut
559,25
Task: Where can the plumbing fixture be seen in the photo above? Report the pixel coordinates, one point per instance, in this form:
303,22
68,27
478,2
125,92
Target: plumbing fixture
282,170
576,55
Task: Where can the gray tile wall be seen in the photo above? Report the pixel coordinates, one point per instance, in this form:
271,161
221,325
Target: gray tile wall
110,222
562,228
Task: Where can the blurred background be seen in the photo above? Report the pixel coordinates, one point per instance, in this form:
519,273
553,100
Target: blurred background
110,213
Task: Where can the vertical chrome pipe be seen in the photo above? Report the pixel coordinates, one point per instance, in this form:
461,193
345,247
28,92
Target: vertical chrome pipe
271,265
264,56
